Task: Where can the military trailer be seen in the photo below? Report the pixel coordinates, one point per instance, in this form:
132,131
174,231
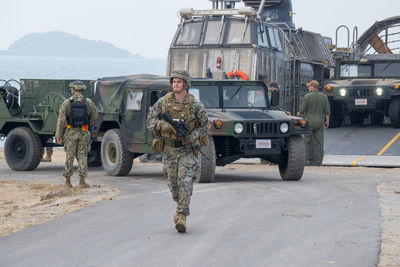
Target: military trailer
257,42
28,117
242,123
366,83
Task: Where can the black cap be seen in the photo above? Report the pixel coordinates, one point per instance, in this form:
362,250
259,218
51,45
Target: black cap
274,84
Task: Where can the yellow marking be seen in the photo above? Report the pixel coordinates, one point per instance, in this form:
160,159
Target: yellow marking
388,144
354,163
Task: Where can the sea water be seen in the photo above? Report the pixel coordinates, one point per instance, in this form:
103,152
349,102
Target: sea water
16,67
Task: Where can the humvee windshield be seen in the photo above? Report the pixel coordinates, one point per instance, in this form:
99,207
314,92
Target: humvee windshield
233,96
378,70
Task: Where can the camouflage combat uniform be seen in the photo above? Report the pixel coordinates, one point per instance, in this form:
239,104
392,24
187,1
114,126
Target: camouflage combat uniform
314,108
77,141
181,165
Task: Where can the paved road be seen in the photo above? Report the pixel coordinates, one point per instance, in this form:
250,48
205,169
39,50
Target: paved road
248,217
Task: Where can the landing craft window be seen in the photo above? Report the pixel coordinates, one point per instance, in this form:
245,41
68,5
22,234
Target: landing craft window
387,69
262,37
213,32
278,39
134,100
190,34
272,37
236,31
208,95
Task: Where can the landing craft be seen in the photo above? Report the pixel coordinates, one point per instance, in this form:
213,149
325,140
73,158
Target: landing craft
257,42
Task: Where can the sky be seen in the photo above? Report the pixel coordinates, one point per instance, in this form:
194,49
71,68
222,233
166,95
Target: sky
147,27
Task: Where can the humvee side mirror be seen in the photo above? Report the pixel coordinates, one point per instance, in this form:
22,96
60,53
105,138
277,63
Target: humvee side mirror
274,98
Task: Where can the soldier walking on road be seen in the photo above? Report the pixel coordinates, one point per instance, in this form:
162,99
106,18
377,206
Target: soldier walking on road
181,160
315,108
75,115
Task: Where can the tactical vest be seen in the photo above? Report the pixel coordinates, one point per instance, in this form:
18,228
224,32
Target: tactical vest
178,111
79,115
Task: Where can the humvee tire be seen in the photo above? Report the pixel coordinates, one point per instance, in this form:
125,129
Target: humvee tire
394,112
335,118
117,160
207,167
292,166
94,156
23,149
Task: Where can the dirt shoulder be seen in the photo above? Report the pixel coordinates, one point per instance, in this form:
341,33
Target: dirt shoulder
24,204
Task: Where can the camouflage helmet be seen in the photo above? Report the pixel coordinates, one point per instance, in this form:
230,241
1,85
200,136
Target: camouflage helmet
182,74
77,86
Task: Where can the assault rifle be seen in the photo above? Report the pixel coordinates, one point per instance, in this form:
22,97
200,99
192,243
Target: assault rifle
182,130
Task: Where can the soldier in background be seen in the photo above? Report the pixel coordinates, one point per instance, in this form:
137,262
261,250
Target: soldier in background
47,155
274,86
75,115
315,108
181,161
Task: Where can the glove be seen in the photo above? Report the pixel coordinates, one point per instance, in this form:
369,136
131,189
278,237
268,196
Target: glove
195,134
166,127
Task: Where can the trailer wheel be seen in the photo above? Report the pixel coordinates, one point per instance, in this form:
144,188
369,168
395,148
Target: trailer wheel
94,156
23,149
116,159
207,167
394,112
291,166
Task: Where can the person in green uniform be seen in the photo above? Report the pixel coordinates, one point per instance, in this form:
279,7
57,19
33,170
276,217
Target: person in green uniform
315,108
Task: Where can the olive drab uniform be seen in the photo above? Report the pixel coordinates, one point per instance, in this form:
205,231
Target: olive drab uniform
314,108
74,117
181,163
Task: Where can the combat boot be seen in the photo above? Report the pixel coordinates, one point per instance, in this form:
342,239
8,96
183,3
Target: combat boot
82,183
176,217
46,158
68,182
181,224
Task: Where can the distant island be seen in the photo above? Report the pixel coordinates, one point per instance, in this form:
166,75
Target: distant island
61,44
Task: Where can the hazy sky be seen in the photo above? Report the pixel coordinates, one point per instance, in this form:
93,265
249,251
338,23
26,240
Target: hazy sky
146,27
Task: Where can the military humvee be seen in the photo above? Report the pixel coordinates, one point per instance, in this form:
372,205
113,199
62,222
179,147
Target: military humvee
366,79
366,87
241,121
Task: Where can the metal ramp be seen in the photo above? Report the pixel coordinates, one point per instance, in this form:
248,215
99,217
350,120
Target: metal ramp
364,145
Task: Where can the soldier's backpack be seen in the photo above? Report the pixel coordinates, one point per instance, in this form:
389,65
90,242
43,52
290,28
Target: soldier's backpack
79,115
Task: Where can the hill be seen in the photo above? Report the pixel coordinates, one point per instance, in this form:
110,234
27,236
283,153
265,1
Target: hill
61,44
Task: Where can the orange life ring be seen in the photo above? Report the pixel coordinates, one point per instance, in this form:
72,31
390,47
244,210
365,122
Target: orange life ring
239,74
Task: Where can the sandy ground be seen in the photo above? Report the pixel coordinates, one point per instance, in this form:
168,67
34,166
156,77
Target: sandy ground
24,204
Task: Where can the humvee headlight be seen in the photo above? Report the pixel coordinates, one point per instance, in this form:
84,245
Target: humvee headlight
238,128
304,123
284,127
218,124
342,92
379,91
